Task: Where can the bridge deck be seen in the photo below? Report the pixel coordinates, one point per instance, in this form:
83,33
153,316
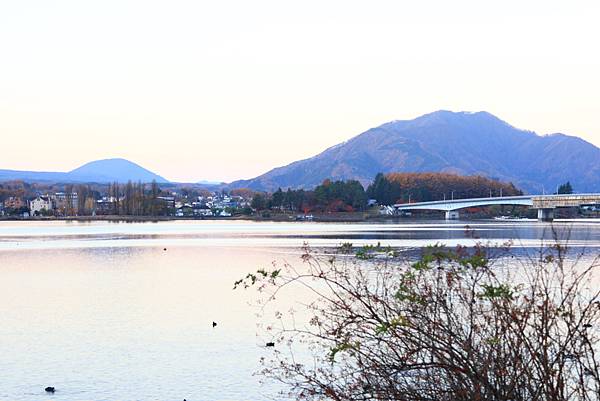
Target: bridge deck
535,201
456,204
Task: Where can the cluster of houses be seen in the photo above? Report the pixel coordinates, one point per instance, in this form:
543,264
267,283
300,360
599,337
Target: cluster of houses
40,205
67,204
218,205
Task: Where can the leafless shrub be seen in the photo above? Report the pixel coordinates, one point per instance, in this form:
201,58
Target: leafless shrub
455,324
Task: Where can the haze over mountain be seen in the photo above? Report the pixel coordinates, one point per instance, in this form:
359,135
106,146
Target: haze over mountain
444,141
101,171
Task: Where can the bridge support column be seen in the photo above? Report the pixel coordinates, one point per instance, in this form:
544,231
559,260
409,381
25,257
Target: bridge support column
546,214
452,215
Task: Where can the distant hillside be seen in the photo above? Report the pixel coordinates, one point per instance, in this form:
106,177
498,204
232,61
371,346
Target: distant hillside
34,176
101,171
462,143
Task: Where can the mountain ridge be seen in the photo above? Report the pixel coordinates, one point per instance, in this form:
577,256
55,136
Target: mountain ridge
467,143
100,171
116,169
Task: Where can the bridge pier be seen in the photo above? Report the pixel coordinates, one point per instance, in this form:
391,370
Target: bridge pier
452,215
545,214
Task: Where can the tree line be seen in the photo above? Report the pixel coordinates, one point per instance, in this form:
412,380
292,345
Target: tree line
392,188
386,189
330,196
136,199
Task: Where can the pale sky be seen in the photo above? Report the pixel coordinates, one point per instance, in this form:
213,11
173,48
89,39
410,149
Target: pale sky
228,89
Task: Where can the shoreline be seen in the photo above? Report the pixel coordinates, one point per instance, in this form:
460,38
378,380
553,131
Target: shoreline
333,217
325,218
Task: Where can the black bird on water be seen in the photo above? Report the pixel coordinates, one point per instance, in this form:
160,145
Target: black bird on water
270,344
49,389
214,324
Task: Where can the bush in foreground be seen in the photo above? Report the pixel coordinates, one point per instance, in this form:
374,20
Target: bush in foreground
456,324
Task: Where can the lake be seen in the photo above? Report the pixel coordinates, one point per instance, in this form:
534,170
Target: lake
124,311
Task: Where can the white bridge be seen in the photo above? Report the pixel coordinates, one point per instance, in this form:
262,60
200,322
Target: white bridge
545,204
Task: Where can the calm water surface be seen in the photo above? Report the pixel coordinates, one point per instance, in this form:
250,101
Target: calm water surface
102,312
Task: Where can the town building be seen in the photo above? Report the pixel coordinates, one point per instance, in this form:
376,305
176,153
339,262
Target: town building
106,205
203,212
201,209
169,201
66,204
40,205
13,202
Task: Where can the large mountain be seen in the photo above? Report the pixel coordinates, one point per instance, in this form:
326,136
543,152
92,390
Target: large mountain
101,171
443,141
116,170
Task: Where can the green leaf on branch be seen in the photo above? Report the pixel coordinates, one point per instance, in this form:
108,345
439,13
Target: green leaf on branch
392,324
345,346
404,294
496,291
251,279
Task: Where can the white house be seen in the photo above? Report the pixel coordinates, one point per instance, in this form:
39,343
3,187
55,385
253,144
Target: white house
40,203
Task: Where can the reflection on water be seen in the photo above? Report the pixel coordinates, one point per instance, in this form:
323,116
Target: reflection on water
102,312
128,323
47,235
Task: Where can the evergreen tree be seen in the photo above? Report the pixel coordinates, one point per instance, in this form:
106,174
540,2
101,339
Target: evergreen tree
565,188
277,198
259,202
383,191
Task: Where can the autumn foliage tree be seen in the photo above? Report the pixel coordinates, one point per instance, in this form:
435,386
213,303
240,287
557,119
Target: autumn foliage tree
422,187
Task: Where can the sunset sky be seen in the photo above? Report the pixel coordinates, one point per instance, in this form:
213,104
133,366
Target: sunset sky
222,90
